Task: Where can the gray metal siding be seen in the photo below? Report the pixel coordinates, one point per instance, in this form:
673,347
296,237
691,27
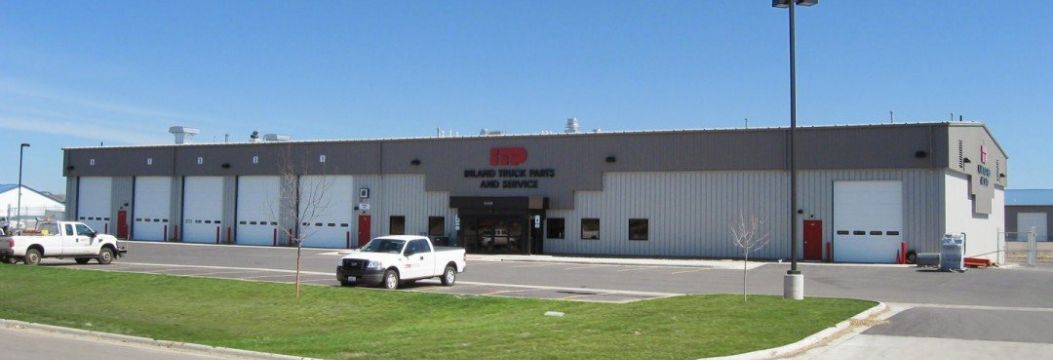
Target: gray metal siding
71,198
923,212
578,160
121,195
690,213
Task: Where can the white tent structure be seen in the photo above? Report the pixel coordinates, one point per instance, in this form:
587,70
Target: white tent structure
35,205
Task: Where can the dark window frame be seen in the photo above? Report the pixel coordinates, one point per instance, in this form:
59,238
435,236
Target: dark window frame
646,229
391,224
583,220
437,220
549,222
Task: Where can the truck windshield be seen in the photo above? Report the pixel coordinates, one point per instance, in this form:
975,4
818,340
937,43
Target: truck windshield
384,246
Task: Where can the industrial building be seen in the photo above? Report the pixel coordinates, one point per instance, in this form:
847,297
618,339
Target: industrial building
1029,210
863,191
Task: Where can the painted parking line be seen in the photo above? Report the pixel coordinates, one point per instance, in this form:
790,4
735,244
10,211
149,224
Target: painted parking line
528,265
267,276
636,268
689,271
649,294
586,267
221,273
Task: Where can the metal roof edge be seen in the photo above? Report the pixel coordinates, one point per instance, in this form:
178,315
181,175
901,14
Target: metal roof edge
525,135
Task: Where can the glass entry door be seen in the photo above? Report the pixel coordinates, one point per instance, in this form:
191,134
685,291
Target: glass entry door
495,234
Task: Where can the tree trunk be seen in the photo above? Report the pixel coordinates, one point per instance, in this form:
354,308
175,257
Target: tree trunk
299,246
744,270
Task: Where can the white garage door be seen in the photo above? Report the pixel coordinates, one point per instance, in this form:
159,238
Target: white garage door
868,221
1025,222
202,208
258,209
333,199
151,210
93,202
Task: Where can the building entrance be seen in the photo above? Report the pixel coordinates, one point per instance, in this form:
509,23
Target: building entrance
500,225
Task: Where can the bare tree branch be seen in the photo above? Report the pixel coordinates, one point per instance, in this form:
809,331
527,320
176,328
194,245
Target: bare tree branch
746,233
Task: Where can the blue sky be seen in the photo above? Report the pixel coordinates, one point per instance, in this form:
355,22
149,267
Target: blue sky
120,72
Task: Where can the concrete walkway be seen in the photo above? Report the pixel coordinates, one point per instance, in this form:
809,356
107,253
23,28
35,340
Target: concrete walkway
712,264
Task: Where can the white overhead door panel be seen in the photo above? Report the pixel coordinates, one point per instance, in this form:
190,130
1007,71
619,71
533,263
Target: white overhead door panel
328,224
1026,222
94,202
202,208
151,208
868,221
258,209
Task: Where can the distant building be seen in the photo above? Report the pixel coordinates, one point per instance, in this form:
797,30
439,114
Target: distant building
1027,209
35,204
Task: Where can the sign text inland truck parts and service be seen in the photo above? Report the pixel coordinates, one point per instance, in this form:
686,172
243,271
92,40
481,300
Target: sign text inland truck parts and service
509,178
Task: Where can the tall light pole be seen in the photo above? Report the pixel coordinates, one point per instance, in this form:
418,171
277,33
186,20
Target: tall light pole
21,149
793,281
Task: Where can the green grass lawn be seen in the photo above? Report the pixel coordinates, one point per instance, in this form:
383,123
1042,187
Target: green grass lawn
352,323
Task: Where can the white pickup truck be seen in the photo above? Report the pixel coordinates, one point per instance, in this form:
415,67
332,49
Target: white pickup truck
60,239
391,260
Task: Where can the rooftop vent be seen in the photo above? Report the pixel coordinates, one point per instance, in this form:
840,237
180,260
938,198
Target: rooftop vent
183,134
276,137
572,126
488,132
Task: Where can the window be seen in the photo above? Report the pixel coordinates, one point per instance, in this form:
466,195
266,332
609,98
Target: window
590,229
397,225
69,230
638,229
554,228
83,230
418,246
436,226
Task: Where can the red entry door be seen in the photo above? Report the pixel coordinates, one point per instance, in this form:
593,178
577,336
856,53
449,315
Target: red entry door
122,224
813,239
364,223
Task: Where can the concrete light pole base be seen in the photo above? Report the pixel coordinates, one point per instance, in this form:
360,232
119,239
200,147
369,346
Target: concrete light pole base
793,286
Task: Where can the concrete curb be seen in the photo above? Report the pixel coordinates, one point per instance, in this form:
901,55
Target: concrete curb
807,342
709,264
148,342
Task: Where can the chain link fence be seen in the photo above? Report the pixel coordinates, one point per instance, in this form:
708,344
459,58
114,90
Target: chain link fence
1026,249
30,216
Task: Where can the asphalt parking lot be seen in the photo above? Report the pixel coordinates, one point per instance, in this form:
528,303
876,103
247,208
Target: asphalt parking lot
982,313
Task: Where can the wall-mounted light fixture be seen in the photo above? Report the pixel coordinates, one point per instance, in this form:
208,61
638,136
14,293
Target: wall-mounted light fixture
225,166
611,159
1001,175
415,162
966,160
921,154
70,168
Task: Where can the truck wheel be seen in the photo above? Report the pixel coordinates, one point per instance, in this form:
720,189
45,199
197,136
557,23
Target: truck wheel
32,257
391,279
105,256
82,261
449,276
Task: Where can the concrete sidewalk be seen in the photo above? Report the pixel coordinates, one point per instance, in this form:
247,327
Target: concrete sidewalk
712,264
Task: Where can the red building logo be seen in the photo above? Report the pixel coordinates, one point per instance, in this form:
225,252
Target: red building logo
507,156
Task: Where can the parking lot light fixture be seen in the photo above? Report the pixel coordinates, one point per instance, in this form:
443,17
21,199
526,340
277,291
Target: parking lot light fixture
793,282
